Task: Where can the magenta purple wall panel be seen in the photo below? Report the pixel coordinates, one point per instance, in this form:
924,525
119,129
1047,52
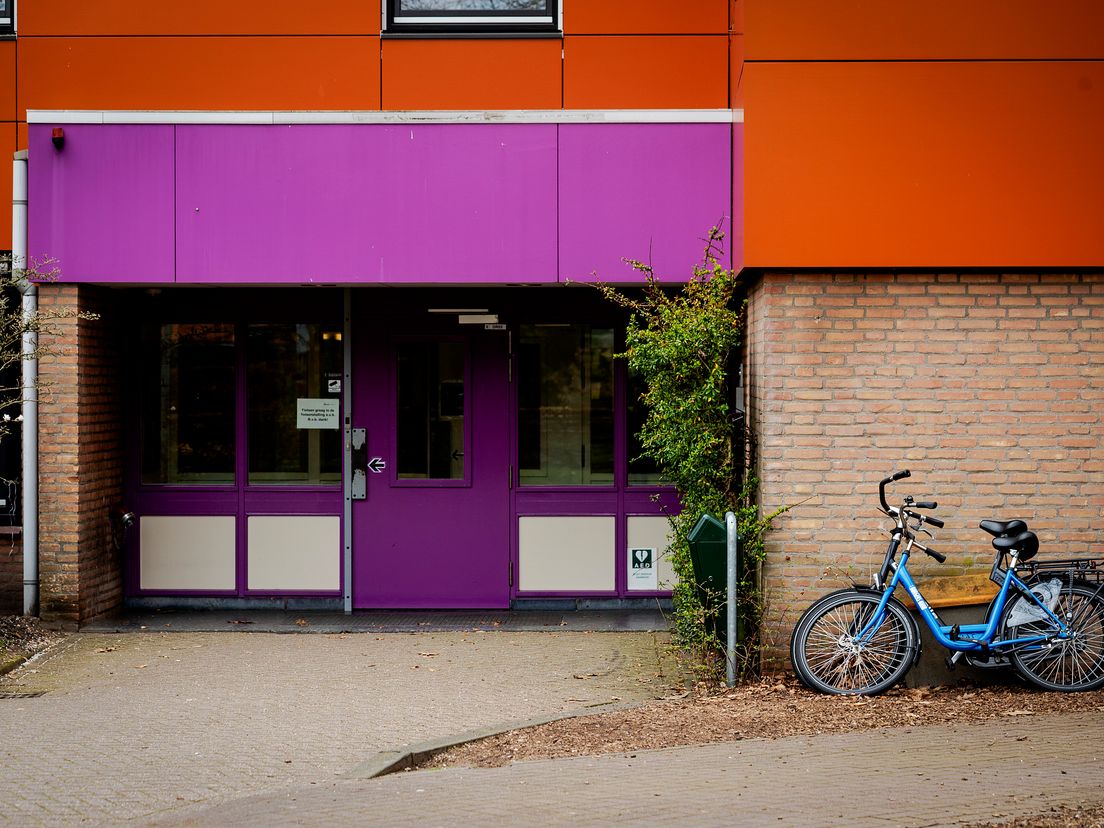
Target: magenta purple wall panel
382,203
643,192
378,203
102,205
735,228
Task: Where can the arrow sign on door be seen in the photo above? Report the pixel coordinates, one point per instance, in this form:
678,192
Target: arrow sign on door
376,465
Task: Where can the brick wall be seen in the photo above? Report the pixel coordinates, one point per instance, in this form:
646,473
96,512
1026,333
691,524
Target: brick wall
989,387
81,457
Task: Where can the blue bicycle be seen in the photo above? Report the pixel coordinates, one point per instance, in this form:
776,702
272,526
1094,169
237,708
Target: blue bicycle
1049,624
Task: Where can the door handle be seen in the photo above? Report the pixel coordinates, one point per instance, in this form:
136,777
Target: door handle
358,462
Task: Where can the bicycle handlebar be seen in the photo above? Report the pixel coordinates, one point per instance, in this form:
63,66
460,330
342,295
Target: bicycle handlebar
893,478
902,516
939,556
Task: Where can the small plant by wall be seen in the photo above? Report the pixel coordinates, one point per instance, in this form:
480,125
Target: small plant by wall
684,346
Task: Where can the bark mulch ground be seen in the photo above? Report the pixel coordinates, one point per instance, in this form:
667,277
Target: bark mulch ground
767,709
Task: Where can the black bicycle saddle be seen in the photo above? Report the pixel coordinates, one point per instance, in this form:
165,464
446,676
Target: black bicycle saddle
1026,543
996,528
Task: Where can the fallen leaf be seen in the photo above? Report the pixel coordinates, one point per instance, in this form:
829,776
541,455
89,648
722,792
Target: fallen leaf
1018,713
302,622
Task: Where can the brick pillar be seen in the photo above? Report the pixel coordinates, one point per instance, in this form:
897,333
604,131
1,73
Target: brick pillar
81,457
989,387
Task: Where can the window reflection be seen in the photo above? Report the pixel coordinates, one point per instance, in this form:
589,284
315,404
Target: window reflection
473,5
189,404
430,410
292,368
642,470
565,405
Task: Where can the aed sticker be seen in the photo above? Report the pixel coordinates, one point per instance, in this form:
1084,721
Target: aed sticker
643,573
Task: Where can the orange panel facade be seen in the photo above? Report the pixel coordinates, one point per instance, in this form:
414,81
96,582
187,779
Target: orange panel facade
7,149
472,74
677,72
248,17
932,29
646,17
199,73
7,81
736,71
924,164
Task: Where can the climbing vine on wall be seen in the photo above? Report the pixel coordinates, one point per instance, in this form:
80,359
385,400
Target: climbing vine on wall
684,346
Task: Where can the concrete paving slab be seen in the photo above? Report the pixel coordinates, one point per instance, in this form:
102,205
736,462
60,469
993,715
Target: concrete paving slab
131,726
919,777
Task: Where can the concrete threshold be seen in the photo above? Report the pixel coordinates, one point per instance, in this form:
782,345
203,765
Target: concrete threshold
379,621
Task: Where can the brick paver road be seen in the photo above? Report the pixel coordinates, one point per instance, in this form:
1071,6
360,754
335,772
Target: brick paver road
262,729
135,726
929,776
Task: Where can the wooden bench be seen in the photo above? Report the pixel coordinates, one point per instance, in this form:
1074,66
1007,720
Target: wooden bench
966,590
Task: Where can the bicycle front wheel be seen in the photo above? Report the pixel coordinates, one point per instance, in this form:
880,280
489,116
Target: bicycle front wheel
830,655
1066,664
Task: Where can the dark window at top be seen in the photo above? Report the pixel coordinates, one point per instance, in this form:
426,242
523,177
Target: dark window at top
7,17
472,16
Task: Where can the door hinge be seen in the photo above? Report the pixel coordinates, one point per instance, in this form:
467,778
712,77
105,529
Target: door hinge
511,574
510,477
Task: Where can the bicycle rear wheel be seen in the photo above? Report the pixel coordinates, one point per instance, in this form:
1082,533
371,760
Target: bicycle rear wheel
1071,664
828,657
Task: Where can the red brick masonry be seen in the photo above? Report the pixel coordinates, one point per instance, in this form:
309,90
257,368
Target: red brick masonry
989,387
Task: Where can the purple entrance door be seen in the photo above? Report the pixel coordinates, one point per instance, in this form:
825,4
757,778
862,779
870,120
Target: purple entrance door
433,530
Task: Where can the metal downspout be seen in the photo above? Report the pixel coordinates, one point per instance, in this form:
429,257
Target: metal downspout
29,386
347,451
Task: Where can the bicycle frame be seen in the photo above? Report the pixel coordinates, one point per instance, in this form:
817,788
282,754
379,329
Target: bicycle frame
1046,621
967,638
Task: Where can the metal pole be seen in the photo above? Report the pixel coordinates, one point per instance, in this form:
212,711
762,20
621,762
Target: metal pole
730,628
347,448
28,386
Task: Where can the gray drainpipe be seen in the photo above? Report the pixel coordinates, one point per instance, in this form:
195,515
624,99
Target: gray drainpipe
29,387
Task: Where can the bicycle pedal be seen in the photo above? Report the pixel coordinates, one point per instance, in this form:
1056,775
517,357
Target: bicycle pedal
952,660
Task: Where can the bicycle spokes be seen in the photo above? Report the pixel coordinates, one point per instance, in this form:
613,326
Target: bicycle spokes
1073,660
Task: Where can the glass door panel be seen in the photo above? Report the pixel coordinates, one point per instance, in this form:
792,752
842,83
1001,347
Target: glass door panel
188,405
565,405
293,368
430,410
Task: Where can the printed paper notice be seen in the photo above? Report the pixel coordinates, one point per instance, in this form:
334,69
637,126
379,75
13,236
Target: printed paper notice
643,573
316,413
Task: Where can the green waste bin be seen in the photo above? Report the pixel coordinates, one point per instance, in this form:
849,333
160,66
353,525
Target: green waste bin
708,542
